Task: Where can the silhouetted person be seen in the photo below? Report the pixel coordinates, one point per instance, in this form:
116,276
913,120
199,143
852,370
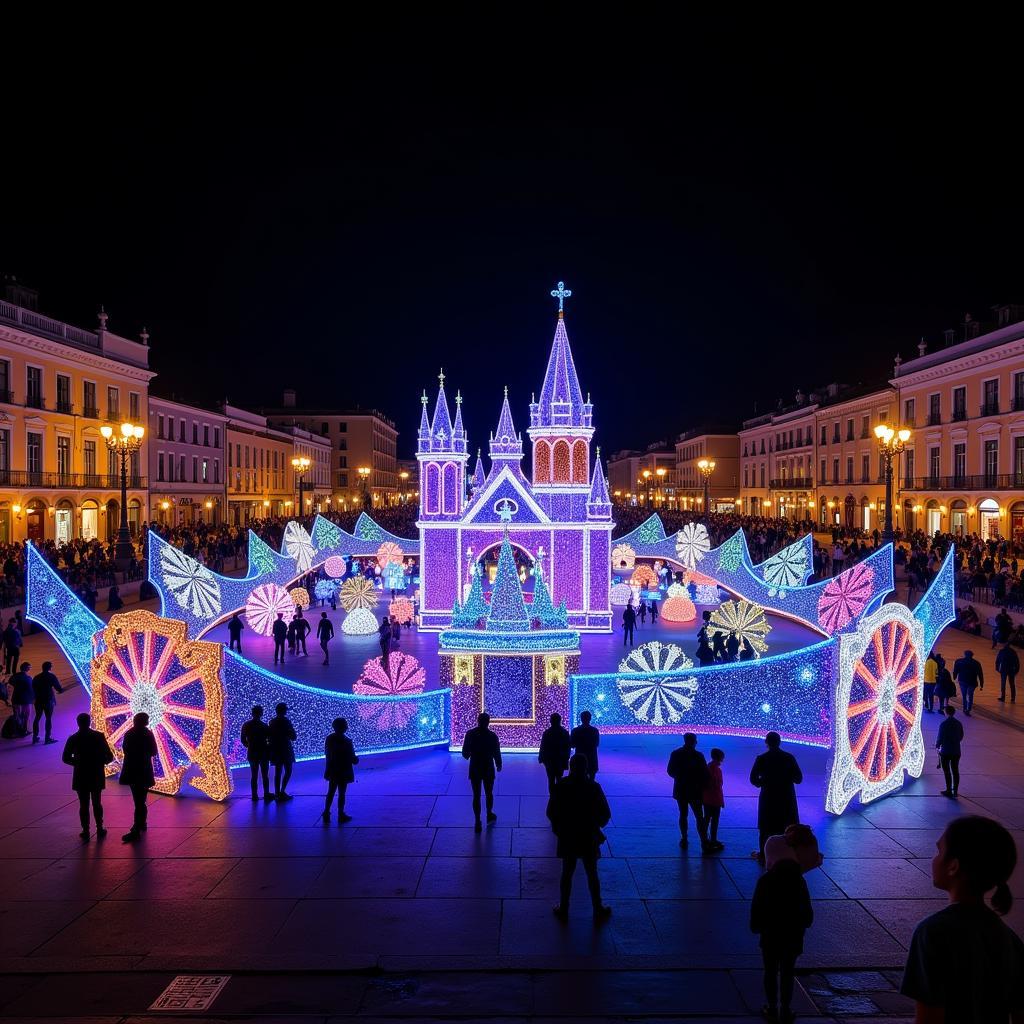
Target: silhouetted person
555,747
1003,628
302,629
114,602
481,749
45,700
968,674
628,625
775,773
704,653
642,612
732,647
713,798
585,740
324,633
1007,665
12,645
235,627
282,753
654,611
280,632
22,697
138,748
384,635
718,647
689,773
256,740
340,756
578,810
88,752
291,634
947,742
944,686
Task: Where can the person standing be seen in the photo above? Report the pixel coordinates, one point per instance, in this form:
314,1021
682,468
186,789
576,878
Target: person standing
628,624
1007,665
776,774
280,632
654,610
22,697
481,749
302,628
324,633
1003,628
713,798
968,674
290,635
689,773
282,753
88,753
256,740
585,740
12,646
555,747
340,756
137,752
944,688
384,635
951,734
235,627
578,811
642,612
705,654
931,677
43,687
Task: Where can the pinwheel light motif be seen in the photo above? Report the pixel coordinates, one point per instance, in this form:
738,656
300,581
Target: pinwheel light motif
785,569
300,595
404,675
746,620
692,544
623,557
845,597
193,586
325,590
298,546
620,594
644,576
878,707
402,610
730,554
357,592
658,700
388,552
387,716
359,622
678,609
263,606
335,566
148,665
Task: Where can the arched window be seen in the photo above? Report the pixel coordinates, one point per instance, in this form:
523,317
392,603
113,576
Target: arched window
560,460
579,461
432,489
450,489
542,463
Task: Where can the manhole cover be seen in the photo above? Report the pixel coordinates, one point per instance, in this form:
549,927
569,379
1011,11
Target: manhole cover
191,992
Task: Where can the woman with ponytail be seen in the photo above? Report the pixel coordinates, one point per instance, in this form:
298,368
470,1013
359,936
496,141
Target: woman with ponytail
964,963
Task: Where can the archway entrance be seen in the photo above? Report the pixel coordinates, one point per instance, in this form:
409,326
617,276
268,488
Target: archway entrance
90,520
1017,522
487,560
933,518
35,525
63,522
908,516
958,518
988,519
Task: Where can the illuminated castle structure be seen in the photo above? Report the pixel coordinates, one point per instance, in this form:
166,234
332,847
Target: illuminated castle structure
563,513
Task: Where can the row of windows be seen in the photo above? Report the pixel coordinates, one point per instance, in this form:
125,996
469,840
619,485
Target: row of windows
175,468
34,456
35,395
959,409
165,431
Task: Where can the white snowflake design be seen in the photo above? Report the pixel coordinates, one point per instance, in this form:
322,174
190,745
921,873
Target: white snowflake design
657,701
194,587
692,544
298,546
785,569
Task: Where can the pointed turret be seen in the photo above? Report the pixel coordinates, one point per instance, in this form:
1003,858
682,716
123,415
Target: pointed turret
442,456
423,434
479,477
441,429
599,504
507,613
505,443
561,400
459,437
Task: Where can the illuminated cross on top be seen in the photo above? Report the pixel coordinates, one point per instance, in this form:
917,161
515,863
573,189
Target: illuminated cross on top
561,293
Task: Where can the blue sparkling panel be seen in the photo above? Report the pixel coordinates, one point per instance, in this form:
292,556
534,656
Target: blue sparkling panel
937,609
508,687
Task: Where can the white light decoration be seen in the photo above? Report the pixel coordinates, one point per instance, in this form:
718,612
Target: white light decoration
878,703
676,590
620,594
264,604
359,622
746,620
692,544
786,569
192,585
298,546
623,557
657,700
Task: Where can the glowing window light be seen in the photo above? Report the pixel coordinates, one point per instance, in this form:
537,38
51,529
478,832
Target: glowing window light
300,595
264,604
357,592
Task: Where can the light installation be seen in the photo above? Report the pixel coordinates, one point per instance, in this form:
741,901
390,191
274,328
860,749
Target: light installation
357,592
404,675
644,576
190,583
788,568
359,622
325,590
620,594
263,606
387,553
401,609
661,697
300,596
845,597
692,544
623,557
678,608
746,620
335,566
298,545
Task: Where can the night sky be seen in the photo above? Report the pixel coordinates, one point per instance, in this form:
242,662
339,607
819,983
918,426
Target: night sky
733,224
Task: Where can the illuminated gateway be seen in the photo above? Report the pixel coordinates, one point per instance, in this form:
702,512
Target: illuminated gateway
562,512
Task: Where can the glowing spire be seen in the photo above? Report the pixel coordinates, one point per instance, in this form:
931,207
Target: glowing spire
505,443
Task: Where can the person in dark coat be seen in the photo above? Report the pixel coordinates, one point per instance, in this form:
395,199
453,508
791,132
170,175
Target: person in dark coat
689,773
88,753
282,753
290,635
555,747
944,687
302,629
138,748
12,646
947,742
280,632
585,740
775,773
718,647
256,740
968,674
704,653
384,635
235,627
114,602
21,697
628,624
578,810
481,749
1007,665
43,687
340,756
324,633
732,647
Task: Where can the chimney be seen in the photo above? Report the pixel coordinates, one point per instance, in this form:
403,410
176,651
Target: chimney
289,398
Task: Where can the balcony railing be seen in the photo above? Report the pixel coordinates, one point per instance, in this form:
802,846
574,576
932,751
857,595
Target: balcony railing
35,402
989,408
934,419
1018,403
64,407
91,412
105,481
795,484
7,397
967,482
43,325
959,413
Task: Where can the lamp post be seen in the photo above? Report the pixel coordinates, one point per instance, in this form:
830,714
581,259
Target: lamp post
124,441
364,475
891,442
660,473
647,482
403,476
706,467
300,466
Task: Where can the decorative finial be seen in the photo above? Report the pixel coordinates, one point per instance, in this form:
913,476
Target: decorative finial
144,336
598,453
103,318
458,398
478,453
440,377
561,293
533,398
424,399
506,391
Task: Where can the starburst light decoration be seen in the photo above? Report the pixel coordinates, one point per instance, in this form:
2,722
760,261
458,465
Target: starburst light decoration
191,584
146,664
786,569
300,595
746,620
405,675
387,553
359,622
623,557
692,544
264,604
357,592
401,608
298,546
335,566
657,699
845,597
644,576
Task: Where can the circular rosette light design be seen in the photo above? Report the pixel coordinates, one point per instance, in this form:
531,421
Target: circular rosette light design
298,546
405,675
389,552
678,609
623,557
877,708
658,699
325,590
620,594
401,608
746,620
148,665
300,595
263,606
692,544
335,566
357,592
192,585
644,576
785,569
845,597
359,622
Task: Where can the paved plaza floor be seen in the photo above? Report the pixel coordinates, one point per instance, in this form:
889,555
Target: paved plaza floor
406,913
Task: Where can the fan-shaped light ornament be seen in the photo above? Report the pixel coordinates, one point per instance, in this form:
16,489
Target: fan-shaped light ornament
300,595
623,557
878,708
692,544
747,620
678,609
845,597
620,594
359,622
401,608
785,569
657,700
405,675
389,552
191,584
643,576
324,590
357,592
264,604
147,664
335,566
298,546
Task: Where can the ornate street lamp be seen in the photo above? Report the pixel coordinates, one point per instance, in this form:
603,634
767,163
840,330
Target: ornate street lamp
403,476
660,473
300,465
646,482
706,467
891,442
125,441
364,475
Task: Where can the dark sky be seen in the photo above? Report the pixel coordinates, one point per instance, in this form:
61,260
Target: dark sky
735,221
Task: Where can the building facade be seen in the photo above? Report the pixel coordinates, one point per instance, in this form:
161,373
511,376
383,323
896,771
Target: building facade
314,482
58,385
630,486
259,481
724,484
